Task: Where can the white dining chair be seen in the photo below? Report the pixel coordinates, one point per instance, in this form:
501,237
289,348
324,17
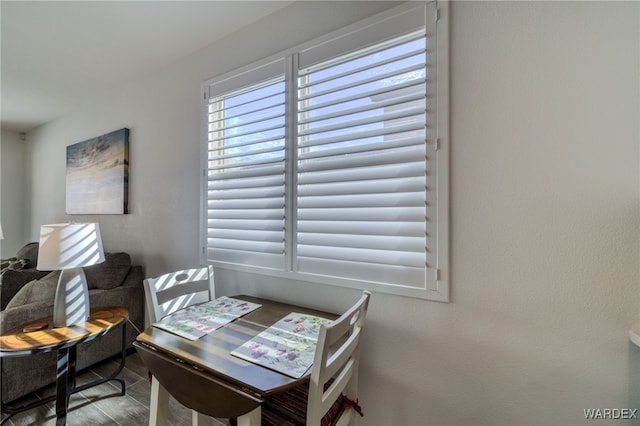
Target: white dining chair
166,294
332,392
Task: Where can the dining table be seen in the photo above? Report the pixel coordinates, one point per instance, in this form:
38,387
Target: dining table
204,375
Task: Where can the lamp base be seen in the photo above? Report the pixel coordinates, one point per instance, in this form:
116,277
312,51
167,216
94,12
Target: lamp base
71,303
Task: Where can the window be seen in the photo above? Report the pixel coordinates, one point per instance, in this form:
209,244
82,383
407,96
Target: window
328,163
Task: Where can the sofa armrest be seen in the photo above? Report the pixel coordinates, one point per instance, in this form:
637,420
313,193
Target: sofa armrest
12,280
134,277
133,282
130,294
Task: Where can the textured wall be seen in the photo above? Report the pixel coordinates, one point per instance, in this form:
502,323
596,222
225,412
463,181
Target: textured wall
545,240
12,193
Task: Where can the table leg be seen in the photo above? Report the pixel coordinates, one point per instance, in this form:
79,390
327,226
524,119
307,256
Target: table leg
114,375
198,419
65,377
252,418
159,404
12,410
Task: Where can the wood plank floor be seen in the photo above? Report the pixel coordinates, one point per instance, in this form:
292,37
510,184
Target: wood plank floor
102,405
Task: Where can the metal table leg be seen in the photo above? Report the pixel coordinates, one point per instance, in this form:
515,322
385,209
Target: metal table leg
66,368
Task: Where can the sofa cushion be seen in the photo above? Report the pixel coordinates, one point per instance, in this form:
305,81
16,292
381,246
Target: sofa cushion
110,273
41,290
29,252
14,263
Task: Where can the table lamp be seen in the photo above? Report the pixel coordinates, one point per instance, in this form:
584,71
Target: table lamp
1,234
68,247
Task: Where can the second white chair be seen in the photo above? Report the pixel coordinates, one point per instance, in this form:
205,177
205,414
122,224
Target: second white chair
331,396
166,294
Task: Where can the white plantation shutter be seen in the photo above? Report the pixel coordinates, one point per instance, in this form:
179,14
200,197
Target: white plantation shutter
245,169
327,164
362,164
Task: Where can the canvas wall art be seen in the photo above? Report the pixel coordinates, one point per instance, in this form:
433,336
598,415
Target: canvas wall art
98,175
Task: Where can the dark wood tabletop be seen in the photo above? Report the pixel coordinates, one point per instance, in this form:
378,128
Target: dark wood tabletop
211,354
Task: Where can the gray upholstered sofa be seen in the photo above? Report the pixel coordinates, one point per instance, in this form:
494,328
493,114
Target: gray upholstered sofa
27,294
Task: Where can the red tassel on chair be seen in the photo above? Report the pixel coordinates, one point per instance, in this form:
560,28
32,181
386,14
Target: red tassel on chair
346,403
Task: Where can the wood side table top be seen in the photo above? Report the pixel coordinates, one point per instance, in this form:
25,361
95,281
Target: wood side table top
17,342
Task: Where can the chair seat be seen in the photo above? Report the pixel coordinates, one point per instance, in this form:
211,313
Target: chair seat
290,408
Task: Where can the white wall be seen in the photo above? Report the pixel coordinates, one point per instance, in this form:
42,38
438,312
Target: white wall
545,239
12,193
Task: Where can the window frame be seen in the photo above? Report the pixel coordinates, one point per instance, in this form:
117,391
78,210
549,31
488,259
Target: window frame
437,286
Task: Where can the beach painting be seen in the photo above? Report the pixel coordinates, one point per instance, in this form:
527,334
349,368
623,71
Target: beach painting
98,175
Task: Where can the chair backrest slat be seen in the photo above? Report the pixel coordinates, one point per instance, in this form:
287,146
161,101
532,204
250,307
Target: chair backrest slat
189,288
173,291
338,386
341,356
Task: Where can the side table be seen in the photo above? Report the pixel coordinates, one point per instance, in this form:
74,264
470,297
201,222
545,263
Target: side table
21,342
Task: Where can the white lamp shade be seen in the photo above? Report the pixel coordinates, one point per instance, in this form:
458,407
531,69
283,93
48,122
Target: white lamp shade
69,245
1,234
